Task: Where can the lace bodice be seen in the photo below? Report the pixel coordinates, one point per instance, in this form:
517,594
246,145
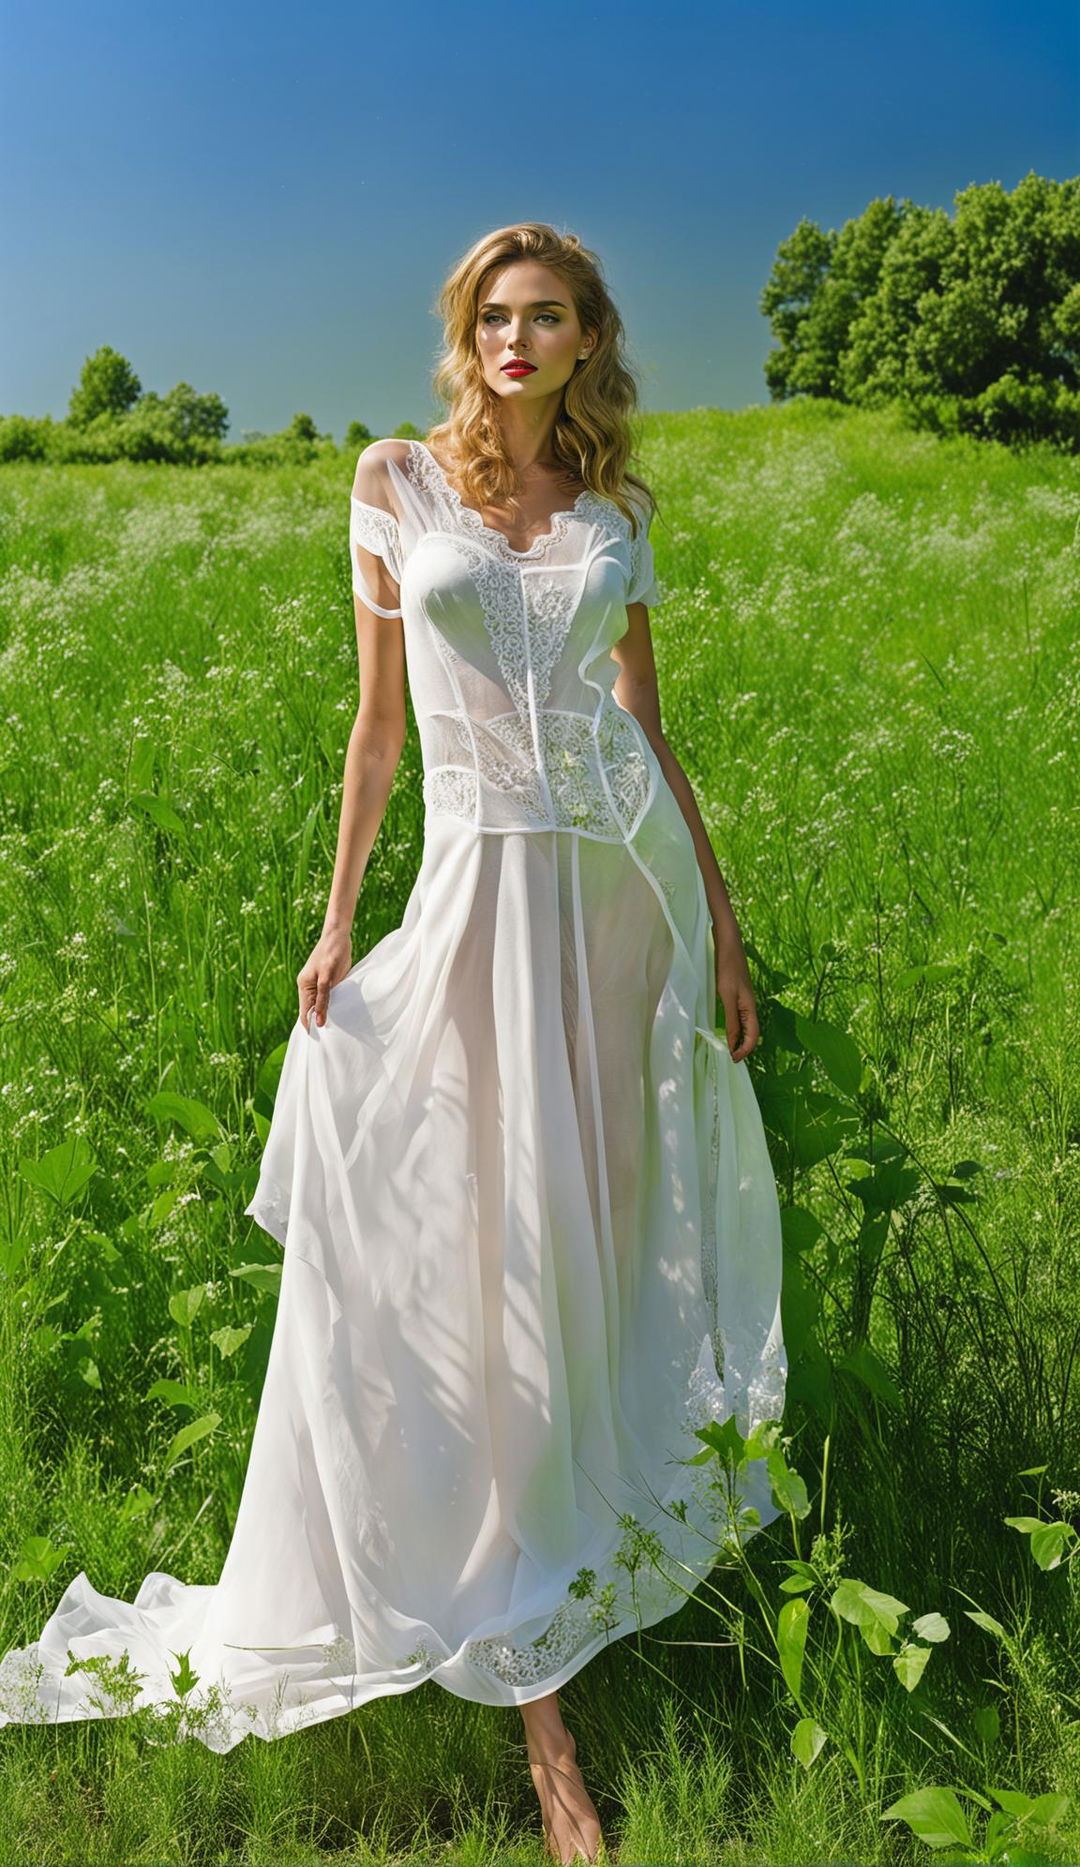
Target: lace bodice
509,652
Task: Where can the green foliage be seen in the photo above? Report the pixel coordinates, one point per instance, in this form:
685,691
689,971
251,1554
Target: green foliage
111,418
24,438
107,386
970,324
866,657
937,1817
822,1678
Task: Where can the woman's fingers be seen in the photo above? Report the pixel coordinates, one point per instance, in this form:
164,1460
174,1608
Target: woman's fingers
740,1017
310,987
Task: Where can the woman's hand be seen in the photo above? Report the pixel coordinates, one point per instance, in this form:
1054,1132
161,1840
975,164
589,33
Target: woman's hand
330,960
734,990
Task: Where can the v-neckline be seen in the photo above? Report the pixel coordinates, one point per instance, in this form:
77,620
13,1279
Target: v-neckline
559,518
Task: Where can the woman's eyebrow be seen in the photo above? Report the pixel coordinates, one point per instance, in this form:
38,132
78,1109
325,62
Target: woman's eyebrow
492,306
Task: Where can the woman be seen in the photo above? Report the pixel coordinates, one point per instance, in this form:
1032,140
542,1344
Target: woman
531,1235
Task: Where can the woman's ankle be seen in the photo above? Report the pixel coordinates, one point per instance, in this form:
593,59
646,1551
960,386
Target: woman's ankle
548,1739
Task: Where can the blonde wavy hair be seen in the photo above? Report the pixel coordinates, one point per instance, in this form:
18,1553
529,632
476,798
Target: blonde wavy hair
592,436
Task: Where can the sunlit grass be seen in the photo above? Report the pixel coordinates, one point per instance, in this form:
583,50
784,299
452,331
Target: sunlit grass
867,659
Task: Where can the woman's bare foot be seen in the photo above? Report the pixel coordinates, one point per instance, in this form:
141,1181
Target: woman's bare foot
571,1824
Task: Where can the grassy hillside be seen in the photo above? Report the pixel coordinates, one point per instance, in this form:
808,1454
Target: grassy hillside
868,666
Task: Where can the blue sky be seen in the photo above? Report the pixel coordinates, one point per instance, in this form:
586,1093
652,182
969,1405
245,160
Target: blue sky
263,200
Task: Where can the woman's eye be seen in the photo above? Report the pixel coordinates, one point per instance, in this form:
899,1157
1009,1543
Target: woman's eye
488,315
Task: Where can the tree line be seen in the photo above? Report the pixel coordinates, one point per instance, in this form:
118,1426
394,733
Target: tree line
969,323
112,417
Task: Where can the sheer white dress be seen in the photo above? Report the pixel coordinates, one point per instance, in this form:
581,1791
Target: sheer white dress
531,1232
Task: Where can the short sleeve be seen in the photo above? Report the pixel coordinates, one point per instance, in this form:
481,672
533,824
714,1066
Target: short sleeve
373,526
642,587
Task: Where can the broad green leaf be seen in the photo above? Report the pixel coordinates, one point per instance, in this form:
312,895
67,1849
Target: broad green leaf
148,804
1048,1809
861,1361
803,1576
188,1435
724,1439
934,969
136,1504
1043,1811
998,1830
792,1624
802,1307
935,1816
184,1305
63,1171
951,1195
800,1228
806,1740
987,1722
104,1243
177,1393
38,1559
227,1340
764,1438
910,1664
1013,1801
835,1050
811,1122
931,1626
266,1082
877,1638
200,1122
788,1488
866,1607
163,1205
889,1187
1049,1541
141,761
260,1276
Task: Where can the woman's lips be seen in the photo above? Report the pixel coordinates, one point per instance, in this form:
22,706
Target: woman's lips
518,369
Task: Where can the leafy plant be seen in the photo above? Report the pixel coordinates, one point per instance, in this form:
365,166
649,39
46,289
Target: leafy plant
937,1817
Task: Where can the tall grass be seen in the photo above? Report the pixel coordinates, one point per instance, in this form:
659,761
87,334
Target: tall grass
867,661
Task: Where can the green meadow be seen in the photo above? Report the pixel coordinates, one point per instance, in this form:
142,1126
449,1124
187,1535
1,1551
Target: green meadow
867,655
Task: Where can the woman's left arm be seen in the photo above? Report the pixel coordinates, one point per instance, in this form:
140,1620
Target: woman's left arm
637,691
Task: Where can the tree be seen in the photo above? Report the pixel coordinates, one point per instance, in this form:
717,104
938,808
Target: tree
356,435
202,416
971,324
107,386
302,428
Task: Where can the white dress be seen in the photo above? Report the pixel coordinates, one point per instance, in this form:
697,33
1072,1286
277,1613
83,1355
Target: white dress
531,1232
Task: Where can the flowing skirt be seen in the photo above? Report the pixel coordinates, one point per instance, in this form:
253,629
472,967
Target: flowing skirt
531,1239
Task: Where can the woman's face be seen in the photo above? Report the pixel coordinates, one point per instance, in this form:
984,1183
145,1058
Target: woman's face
527,312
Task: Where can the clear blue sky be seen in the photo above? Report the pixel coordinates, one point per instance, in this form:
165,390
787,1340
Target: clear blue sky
263,200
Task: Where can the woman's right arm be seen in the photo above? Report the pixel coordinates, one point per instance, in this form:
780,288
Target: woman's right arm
375,746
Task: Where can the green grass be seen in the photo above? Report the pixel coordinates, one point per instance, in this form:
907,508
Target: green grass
868,666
